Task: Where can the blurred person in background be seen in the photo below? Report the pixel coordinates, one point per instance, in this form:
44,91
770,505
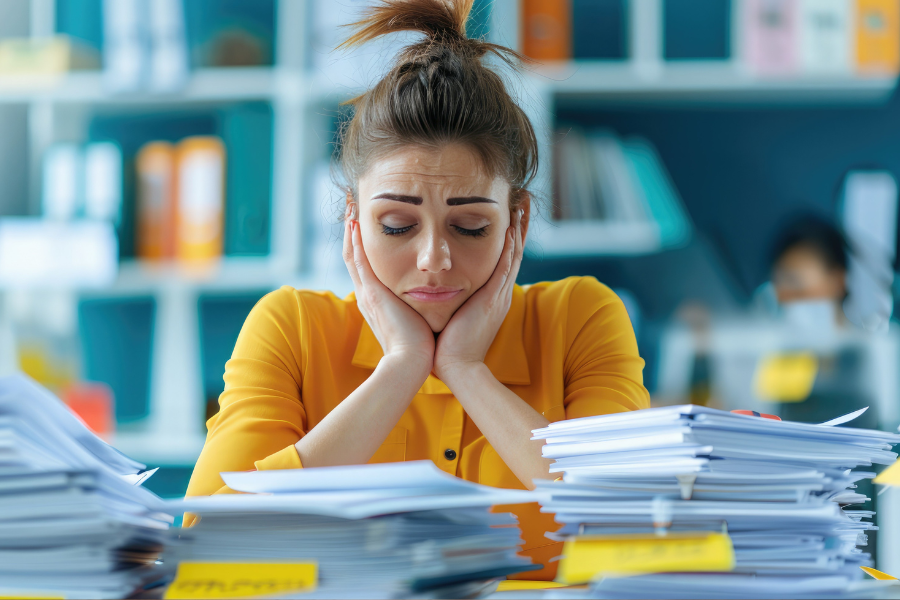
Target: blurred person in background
809,264
809,273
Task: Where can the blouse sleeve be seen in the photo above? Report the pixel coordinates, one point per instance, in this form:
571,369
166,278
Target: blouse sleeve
261,413
603,370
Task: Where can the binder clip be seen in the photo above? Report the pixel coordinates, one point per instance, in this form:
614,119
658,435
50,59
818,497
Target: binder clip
686,485
661,511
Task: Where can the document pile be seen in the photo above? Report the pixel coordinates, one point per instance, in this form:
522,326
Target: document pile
72,521
387,530
782,490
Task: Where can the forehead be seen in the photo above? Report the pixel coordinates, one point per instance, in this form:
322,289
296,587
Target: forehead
452,167
801,257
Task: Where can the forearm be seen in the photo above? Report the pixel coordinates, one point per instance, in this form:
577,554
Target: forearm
355,428
505,420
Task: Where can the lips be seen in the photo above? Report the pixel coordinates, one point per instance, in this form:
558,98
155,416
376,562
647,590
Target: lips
433,294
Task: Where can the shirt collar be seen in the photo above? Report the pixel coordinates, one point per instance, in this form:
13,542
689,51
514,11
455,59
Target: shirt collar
506,358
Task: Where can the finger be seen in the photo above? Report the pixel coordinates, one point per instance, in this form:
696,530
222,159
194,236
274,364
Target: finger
366,274
348,254
515,255
498,278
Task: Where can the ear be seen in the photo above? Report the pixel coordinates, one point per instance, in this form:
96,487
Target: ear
525,205
350,201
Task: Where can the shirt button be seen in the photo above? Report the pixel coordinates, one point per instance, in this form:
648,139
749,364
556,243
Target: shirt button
450,454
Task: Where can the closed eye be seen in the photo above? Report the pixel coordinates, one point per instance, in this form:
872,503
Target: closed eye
395,230
480,232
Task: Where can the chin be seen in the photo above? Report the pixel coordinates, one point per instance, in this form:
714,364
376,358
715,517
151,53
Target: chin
437,322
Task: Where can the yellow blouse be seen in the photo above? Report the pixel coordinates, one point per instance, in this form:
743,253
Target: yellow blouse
566,348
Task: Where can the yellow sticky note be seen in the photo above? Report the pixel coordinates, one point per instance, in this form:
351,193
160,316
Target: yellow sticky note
588,556
890,476
514,585
242,580
786,377
878,574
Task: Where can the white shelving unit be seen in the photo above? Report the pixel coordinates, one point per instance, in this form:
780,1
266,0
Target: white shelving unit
646,78
58,110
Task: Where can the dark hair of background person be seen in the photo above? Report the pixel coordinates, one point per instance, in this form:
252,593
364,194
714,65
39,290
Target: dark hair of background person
815,233
439,91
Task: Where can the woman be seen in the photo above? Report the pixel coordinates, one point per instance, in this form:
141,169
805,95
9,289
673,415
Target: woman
438,355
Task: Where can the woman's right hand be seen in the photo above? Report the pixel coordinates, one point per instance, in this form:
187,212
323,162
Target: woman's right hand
401,331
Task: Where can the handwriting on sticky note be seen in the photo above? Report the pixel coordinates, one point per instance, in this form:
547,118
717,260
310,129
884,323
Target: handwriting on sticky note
589,556
890,476
786,377
242,580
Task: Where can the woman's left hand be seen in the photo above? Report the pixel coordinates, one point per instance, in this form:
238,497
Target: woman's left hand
465,340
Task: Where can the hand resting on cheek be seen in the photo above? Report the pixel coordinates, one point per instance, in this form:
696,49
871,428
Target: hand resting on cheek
399,329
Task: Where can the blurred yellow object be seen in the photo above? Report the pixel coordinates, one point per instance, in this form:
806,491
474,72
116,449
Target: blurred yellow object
587,557
242,580
45,56
201,199
890,476
878,574
513,585
878,37
45,368
786,377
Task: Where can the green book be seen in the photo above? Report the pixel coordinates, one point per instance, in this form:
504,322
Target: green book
247,132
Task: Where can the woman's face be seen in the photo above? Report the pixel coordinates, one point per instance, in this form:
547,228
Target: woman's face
433,225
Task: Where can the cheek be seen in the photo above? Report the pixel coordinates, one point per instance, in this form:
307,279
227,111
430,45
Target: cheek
388,258
480,260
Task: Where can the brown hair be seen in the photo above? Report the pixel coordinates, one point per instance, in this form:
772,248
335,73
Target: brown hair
439,91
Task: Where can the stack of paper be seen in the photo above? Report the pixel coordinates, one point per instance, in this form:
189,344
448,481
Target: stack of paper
387,530
72,522
783,491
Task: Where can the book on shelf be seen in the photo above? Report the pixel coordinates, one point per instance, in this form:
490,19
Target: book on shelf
877,37
181,200
247,134
825,36
62,171
168,54
82,181
54,55
546,29
200,176
103,182
770,35
156,201
603,179
124,45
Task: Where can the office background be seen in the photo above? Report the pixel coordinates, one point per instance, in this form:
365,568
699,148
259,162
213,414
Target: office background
739,150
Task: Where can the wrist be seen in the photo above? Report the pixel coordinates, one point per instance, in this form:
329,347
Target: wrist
416,367
462,371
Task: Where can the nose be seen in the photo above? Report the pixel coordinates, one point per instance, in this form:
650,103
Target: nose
434,253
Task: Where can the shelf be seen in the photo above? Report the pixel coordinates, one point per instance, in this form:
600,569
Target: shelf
231,273
223,84
703,81
592,238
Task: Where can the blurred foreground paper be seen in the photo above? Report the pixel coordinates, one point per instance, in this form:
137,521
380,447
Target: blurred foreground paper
35,253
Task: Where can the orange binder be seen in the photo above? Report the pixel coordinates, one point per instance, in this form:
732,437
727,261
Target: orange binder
201,199
547,29
156,201
878,36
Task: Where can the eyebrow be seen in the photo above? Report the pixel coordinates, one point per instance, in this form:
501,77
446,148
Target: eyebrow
450,201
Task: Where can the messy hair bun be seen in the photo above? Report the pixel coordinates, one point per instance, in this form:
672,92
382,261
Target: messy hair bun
438,91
